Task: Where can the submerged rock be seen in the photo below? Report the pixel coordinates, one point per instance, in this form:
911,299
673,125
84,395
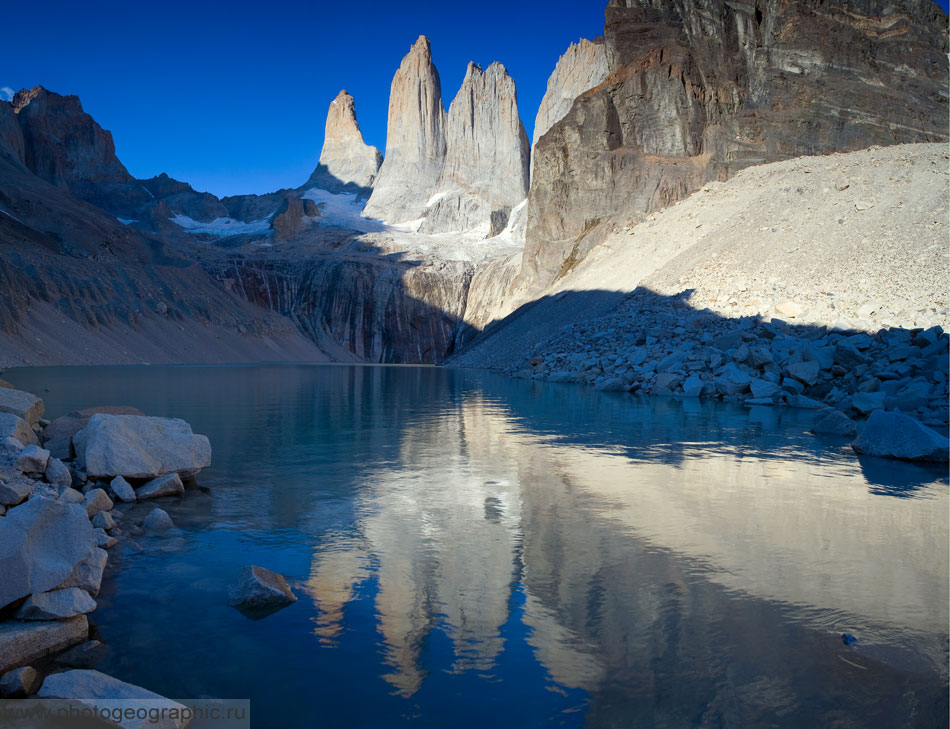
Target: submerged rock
169,485
895,435
259,588
158,522
138,446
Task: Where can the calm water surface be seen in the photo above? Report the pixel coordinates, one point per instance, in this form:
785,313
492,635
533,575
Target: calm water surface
475,551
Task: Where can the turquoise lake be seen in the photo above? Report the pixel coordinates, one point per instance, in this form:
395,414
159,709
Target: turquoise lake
476,551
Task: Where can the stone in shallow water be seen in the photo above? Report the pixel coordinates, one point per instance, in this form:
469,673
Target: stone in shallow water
259,589
56,605
136,446
895,435
169,485
85,655
23,643
96,689
41,542
835,423
158,521
122,489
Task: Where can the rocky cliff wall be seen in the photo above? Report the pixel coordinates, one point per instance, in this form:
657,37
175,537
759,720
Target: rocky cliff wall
347,163
699,89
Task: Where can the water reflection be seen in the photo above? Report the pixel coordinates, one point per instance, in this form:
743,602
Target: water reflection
575,557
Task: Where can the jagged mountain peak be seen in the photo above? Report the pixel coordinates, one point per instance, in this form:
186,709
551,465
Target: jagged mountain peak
347,163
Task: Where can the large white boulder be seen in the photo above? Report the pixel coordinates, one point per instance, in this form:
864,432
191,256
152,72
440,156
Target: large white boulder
139,446
41,542
24,405
895,435
108,694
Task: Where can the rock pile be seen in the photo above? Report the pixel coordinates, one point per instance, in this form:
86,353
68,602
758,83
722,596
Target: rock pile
662,346
58,517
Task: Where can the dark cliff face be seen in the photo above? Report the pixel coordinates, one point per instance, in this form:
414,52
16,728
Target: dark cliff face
377,309
699,89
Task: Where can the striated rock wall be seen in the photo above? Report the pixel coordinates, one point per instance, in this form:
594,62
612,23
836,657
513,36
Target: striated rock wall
347,163
415,140
486,158
376,309
699,89
11,137
583,66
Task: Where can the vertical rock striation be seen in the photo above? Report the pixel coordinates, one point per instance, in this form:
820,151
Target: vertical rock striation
415,140
347,163
485,173
699,89
11,137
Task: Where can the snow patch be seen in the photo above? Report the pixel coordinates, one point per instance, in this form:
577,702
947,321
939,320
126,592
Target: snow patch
343,211
127,221
222,226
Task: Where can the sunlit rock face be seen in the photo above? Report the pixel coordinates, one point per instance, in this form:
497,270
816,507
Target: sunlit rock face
698,89
582,67
415,140
487,152
347,163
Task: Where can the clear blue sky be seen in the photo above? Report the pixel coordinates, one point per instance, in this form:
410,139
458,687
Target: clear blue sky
232,97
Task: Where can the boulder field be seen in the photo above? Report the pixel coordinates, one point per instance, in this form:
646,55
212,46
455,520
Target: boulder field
59,514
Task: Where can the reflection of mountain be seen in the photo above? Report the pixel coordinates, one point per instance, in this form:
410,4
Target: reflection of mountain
639,573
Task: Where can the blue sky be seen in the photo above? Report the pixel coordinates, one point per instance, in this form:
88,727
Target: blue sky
232,97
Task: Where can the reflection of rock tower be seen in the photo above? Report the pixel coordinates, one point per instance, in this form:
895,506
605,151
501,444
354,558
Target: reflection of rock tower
444,551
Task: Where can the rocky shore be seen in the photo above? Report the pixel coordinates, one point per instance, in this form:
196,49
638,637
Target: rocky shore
890,386
69,493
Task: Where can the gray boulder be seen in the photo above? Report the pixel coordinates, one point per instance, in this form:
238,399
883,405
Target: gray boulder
56,605
158,522
57,473
12,426
835,422
733,380
14,487
169,485
19,683
693,386
58,435
763,389
804,372
32,459
137,446
895,435
96,689
24,405
41,542
84,655
258,587
122,489
97,500
866,402
25,643
103,520
87,575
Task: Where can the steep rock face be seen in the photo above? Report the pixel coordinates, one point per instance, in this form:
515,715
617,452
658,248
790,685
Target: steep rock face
66,147
182,198
373,308
415,140
699,89
347,163
11,137
583,66
486,158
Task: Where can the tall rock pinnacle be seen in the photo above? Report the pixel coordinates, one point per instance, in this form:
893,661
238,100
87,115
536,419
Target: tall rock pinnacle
582,67
415,140
486,162
347,163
